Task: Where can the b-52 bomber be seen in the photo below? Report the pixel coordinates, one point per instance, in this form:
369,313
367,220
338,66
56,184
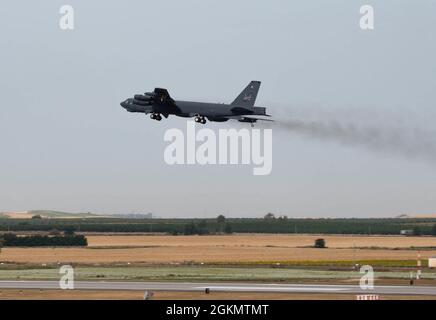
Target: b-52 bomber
160,104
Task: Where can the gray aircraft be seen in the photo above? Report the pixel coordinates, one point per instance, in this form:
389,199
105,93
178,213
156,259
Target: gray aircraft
159,103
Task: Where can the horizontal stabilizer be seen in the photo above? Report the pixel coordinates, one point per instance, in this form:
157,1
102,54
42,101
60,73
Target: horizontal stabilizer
248,119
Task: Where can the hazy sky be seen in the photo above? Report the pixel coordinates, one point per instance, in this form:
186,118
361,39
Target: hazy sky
66,144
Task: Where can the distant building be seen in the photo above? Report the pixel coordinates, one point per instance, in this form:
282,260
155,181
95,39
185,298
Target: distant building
134,215
432,262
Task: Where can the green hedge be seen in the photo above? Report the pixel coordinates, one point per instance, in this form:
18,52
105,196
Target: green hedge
12,240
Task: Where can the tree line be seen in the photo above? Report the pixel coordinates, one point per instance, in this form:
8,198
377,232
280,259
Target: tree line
12,240
221,224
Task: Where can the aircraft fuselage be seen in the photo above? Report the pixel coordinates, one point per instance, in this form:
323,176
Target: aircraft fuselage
159,103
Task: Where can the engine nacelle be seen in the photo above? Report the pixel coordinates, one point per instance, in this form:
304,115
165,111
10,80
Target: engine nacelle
141,97
142,103
217,119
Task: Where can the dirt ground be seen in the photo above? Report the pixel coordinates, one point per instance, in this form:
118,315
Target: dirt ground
198,254
17,215
139,295
260,240
272,296
104,249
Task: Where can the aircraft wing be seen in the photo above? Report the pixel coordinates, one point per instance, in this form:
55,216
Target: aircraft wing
247,119
163,97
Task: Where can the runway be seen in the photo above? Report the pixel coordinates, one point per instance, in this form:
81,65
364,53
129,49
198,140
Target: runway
222,287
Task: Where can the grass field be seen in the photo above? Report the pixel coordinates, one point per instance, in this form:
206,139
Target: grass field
201,273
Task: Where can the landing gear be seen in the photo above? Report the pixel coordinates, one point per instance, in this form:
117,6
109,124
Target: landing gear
200,119
156,116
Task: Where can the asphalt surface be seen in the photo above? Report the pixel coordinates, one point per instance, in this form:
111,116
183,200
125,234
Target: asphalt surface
222,287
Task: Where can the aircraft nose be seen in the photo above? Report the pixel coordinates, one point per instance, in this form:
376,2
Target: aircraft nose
123,104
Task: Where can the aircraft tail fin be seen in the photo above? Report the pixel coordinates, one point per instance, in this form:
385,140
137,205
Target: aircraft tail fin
248,96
